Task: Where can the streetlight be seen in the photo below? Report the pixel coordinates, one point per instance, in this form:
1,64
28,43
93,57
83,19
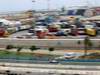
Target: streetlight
48,5
33,1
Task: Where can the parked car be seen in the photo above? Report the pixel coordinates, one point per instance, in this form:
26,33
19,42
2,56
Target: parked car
66,27
54,27
53,61
90,30
70,55
37,28
81,31
61,33
31,30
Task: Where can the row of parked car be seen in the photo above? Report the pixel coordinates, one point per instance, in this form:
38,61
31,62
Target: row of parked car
64,29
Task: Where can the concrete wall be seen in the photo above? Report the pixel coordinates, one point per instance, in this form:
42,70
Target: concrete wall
64,43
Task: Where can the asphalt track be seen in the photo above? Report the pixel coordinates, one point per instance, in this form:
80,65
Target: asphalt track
49,69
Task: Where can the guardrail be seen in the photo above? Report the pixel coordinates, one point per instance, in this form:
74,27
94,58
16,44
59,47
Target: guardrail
63,62
51,66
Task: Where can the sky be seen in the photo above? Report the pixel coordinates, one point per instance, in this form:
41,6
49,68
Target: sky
19,5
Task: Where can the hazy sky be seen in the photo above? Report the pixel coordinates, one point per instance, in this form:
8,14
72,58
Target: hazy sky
17,5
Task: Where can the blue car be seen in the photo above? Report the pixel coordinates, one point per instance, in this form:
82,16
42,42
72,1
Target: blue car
61,33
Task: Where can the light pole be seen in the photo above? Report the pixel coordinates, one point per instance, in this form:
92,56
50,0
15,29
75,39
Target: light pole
48,5
33,1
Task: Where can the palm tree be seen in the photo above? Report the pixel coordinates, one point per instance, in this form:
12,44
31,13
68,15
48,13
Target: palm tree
79,42
90,44
19,49
51,49
87,45
33,48
8,47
